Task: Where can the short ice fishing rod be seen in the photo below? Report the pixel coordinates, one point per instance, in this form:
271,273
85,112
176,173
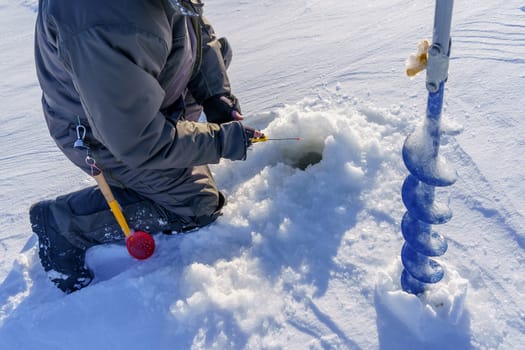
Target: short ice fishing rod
265,138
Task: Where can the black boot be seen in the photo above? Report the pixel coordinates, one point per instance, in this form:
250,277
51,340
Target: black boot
63,262
68,226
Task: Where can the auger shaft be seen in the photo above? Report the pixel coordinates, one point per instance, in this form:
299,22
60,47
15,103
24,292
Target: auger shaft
427,170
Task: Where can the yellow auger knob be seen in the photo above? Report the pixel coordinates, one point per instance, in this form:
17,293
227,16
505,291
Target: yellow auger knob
417,62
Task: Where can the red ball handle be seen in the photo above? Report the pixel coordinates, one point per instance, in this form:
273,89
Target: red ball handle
140,244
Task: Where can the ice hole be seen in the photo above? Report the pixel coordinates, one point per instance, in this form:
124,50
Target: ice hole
307,159
304,155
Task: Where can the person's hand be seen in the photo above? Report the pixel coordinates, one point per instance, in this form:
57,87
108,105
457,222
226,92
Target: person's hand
222,109
251,133
235,138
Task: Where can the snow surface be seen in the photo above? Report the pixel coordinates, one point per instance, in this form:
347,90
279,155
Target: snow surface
306,255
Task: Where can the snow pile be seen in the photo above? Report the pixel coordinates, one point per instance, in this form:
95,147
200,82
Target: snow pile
433,315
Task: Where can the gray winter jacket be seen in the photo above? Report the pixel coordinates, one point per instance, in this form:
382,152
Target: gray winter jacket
118,67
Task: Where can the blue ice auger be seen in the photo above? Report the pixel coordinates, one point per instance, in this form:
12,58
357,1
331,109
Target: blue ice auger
427,170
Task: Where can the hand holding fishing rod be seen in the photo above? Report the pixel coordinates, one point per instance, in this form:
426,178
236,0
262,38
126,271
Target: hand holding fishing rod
256,136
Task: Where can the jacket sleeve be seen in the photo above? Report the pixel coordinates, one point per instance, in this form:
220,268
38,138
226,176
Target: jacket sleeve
115,73
211,79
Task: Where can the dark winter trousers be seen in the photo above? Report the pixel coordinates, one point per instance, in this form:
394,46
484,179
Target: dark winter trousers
84,219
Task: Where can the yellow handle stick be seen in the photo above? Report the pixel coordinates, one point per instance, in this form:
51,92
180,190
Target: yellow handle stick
113,204
263,138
